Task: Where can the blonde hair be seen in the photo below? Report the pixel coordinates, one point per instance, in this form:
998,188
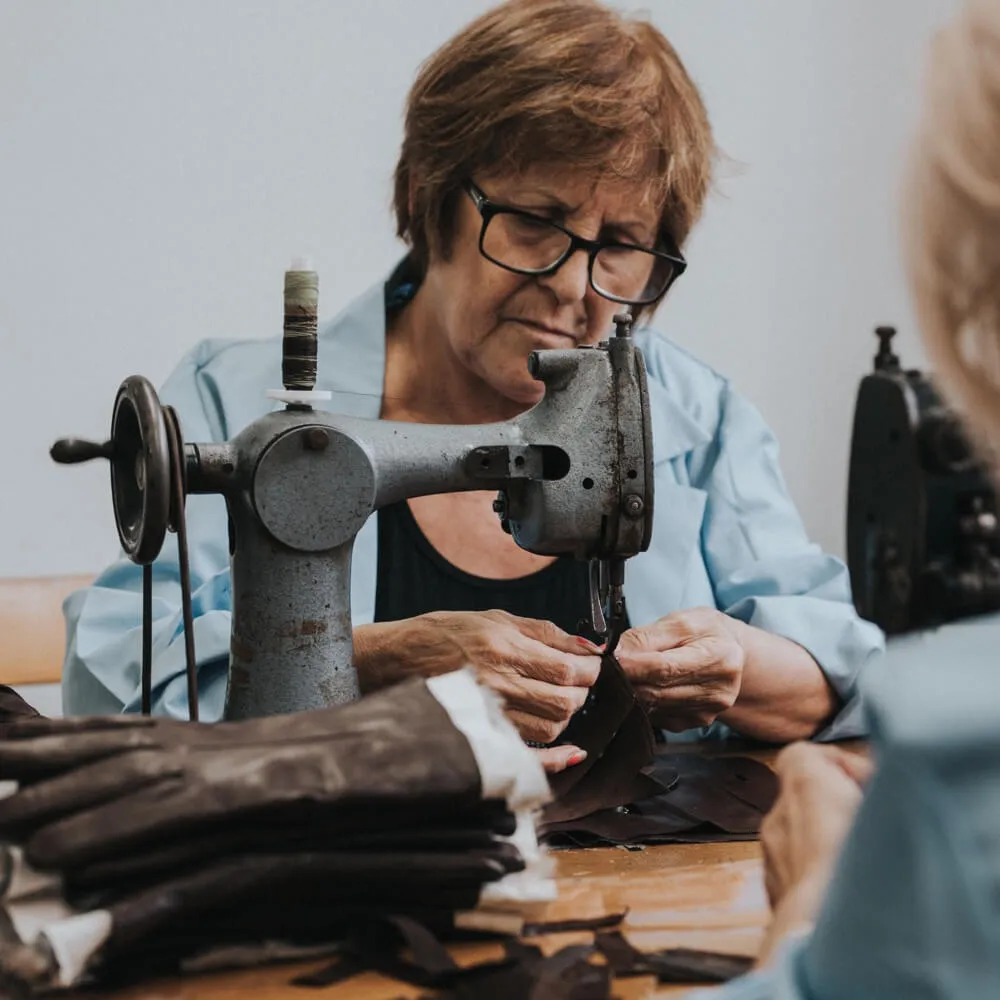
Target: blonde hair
570,83
952,219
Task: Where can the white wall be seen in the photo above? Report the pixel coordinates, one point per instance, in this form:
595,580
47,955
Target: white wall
161,162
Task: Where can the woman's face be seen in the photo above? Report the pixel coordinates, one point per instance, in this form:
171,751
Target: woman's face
492,318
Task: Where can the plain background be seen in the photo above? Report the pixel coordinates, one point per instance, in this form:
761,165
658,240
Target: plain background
160,164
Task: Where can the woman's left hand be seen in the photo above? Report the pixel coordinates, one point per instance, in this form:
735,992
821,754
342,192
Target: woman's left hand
686,668
801,837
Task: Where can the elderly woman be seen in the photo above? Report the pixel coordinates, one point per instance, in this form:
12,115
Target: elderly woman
910,906
555,158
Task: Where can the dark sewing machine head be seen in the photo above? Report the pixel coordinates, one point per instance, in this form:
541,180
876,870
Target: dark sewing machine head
922,540
573,475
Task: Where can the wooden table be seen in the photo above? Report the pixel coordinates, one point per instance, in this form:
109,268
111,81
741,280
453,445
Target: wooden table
708,896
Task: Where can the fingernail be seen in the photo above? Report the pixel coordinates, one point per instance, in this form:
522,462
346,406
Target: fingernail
576,758
588,645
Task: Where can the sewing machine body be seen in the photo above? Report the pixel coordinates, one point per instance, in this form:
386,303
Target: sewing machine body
574,476
573,473
923,546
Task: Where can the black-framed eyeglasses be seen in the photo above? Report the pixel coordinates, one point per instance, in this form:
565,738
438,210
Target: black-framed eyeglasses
526,243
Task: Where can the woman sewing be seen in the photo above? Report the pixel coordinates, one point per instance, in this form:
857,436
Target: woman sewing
555,159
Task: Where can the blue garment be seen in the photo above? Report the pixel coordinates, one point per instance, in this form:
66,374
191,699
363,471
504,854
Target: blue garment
726,534
913,910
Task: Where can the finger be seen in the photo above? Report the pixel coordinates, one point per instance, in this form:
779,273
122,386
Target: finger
81,788
857,765
31,759
799,758
673,630
556,759
678,709
549,634
666,668
543,663
545,701
34,727
535,730
149,810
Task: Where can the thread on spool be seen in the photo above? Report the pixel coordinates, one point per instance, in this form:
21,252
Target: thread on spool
298,359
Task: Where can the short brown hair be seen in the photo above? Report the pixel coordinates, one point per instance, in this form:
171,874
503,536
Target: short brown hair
547,82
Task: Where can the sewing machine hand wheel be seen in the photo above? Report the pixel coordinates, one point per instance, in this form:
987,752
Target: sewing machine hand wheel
148,489
139,451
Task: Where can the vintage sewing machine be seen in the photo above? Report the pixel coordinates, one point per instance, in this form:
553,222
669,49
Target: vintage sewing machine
573,475
923,545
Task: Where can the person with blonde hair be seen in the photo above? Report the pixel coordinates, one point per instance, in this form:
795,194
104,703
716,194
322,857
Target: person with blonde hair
894,892
556,156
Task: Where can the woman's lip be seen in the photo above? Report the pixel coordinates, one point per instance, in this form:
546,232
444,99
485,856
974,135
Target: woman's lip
541,328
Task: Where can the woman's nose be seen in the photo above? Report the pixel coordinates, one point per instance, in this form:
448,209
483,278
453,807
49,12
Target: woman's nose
571,280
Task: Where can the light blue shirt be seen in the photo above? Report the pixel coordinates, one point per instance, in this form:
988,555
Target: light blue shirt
913,911
726,534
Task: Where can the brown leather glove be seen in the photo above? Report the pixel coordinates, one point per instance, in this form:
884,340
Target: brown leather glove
13,709
94,789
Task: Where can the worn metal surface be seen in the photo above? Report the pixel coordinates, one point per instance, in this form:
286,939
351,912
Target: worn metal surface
574,476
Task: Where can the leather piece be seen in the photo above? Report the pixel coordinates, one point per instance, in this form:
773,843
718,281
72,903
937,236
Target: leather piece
474,828
614,730
248,891
594,726
578,924
93,792
707,799
671,965
523,972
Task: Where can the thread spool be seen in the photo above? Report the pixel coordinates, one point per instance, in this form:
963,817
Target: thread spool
298,358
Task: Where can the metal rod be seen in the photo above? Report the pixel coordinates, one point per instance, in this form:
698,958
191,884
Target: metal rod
180,522
147,637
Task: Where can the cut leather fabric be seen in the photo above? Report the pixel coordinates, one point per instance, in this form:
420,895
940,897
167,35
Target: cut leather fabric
671,965
142,844
613,729
595,725
523,972
701,800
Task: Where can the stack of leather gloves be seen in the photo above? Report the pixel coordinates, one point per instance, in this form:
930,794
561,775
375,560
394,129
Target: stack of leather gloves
132,846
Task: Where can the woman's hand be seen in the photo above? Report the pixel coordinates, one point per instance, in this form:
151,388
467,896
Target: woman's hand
542,673
686,668
821,788
802,835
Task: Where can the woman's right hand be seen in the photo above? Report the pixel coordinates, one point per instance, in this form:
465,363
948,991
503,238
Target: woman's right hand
542,673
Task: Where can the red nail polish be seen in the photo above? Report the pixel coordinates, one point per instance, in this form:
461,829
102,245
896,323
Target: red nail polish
577,758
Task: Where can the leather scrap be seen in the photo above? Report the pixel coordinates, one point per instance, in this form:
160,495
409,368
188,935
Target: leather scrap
618,747
671,965
523,972
706,799
573,924
594,726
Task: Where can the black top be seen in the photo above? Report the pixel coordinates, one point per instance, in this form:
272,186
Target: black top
414,578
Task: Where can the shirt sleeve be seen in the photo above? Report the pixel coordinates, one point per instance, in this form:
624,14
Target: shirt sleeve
912,909
103,666
764,569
